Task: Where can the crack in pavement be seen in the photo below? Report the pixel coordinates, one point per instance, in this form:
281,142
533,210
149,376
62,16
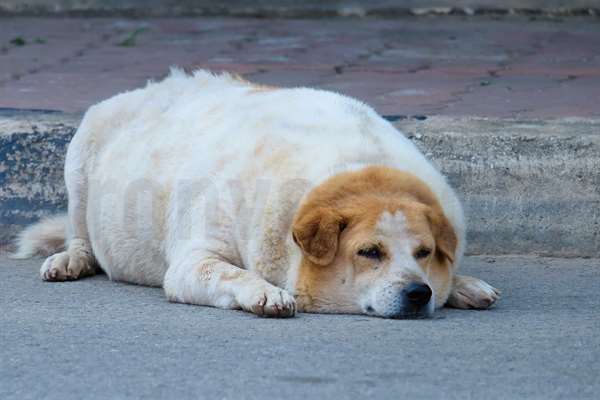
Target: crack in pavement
365,57
513,56
81,52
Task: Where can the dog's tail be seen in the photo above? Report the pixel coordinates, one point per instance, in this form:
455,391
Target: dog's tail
43,238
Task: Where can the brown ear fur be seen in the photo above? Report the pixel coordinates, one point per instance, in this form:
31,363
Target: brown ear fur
445,237
317,232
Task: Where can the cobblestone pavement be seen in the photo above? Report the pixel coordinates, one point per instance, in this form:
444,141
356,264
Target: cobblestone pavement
451,65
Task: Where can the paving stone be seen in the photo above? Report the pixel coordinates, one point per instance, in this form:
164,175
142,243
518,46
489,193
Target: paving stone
452,66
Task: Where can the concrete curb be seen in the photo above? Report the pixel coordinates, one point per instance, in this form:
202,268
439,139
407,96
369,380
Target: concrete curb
32,150
529,187
296,9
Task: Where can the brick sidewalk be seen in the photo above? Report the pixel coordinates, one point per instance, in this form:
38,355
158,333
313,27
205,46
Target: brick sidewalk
455,66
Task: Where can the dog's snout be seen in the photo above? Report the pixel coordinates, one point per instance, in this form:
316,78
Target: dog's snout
408,300
417,294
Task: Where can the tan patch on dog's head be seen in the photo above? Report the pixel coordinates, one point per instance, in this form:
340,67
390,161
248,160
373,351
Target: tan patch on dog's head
255,87
261,88
365,236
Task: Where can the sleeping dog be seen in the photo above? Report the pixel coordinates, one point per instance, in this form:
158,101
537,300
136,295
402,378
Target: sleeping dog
269,200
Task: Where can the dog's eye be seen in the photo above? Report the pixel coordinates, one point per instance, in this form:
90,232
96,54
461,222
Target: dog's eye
423,252
372,252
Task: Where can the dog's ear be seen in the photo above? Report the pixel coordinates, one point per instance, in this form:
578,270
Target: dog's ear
317,233
445,237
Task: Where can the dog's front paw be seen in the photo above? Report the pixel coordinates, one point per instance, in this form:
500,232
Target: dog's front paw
55,268
469,292
64,267
268,301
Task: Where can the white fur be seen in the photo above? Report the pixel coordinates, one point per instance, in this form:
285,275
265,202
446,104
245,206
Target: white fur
196,168
43,239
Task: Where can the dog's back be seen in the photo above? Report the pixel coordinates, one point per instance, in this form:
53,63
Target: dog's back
222,159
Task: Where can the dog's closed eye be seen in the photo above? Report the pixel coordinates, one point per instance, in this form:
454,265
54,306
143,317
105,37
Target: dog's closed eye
422,252
371,252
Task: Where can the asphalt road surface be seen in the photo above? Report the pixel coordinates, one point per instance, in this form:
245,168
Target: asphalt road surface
96,339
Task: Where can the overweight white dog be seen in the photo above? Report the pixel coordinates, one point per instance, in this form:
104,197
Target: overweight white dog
270,200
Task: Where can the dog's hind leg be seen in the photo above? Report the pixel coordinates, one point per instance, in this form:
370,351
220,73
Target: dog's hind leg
210,281
78,259
468,292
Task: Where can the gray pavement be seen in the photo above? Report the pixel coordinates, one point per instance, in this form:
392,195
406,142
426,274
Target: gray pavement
98,339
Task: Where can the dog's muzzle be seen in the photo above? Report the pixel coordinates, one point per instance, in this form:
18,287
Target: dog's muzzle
415,301
412,301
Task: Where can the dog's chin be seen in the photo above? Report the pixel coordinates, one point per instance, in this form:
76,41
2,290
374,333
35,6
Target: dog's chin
423,313
409,315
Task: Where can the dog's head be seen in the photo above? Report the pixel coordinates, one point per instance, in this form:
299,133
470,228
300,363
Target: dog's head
373,241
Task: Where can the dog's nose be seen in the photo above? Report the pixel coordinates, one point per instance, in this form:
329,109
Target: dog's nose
417,294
